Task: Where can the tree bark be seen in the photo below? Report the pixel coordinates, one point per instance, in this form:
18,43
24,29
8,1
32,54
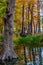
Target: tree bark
31,18
38,7
23,28
28,20
8,31
23,19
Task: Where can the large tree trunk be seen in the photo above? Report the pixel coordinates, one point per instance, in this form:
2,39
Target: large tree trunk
8,31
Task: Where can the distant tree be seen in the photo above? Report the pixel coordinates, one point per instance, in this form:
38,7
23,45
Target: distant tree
29,27
38,8
32,18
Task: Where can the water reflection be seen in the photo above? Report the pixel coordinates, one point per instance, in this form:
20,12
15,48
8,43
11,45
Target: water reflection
38,58
37,62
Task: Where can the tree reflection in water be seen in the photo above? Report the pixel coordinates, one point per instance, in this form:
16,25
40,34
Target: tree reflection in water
14,62
7,63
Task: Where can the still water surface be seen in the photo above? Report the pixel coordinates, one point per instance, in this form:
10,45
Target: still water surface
37,60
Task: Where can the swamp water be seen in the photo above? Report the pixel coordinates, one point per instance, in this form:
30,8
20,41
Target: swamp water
37,61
